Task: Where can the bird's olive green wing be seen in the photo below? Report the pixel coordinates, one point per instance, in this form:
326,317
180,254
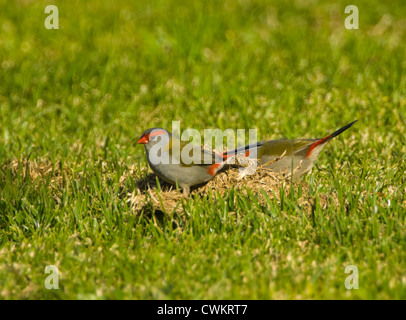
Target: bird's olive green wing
278,147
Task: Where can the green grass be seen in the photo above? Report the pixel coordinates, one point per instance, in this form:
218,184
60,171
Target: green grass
77,97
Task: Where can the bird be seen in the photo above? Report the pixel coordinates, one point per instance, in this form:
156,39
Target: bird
286,155
177,162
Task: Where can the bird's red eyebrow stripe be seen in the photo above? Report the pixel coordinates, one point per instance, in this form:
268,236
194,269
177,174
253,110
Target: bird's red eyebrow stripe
315,144
157,132
213,169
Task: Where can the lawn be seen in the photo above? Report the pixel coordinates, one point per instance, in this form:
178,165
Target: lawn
74,100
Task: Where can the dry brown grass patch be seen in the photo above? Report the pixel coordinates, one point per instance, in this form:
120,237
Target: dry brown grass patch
262,183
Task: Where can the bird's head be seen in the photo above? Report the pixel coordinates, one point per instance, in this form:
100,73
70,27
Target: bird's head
154,135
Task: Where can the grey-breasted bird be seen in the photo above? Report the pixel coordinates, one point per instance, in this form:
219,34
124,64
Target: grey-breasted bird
175,162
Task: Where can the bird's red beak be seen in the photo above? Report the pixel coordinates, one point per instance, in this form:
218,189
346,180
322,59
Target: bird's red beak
143,140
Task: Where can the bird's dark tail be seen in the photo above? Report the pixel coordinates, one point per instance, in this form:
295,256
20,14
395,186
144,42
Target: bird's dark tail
336,133
328,138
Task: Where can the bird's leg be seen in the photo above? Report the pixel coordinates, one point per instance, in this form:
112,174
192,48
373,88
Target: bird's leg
186,191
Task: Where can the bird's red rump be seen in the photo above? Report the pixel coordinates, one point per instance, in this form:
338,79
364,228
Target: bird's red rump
315,144
213,169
